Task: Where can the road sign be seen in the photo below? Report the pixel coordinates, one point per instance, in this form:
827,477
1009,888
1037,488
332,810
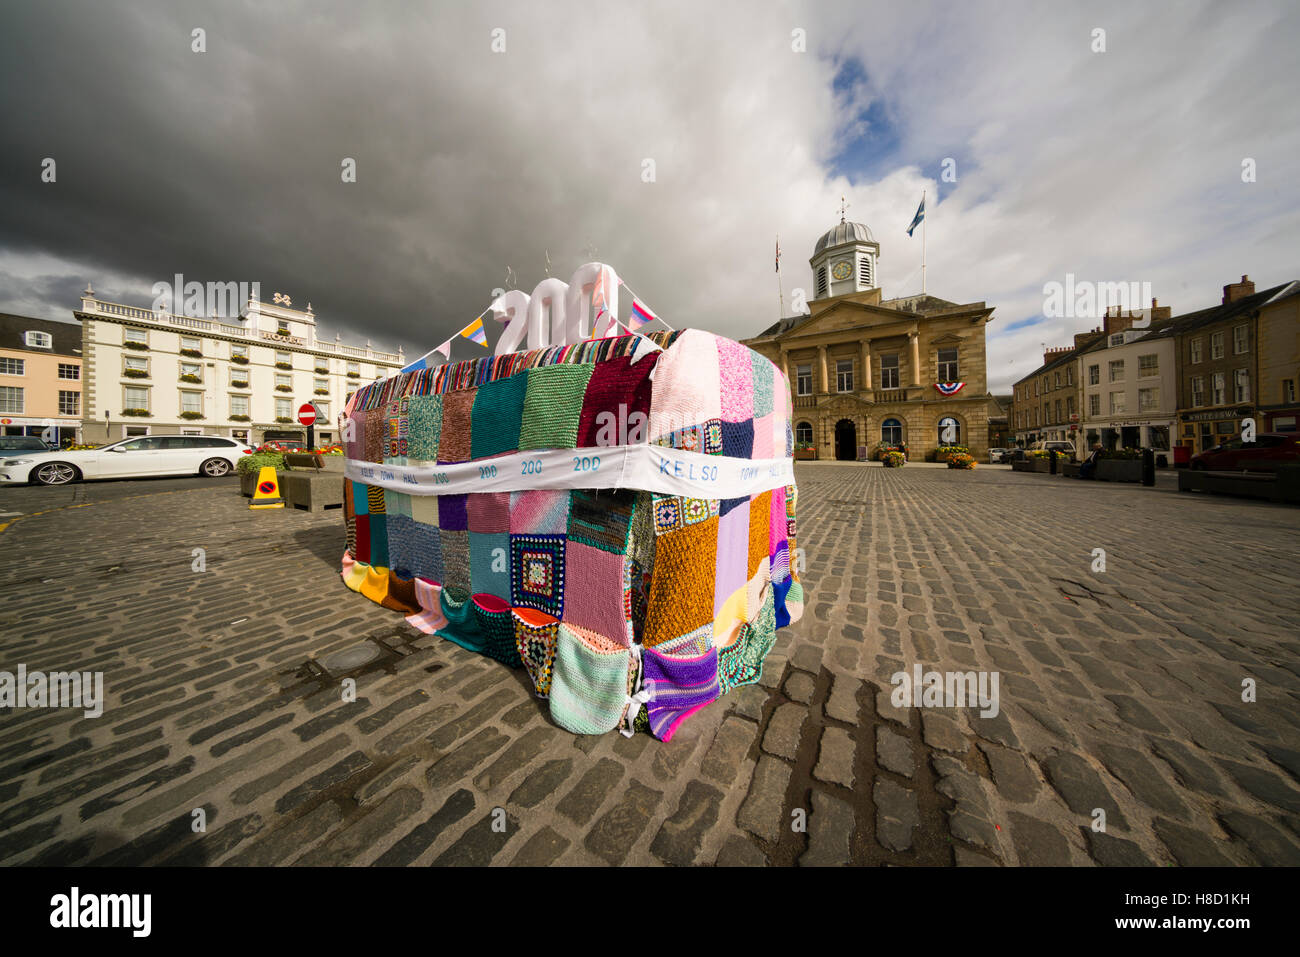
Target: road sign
307,413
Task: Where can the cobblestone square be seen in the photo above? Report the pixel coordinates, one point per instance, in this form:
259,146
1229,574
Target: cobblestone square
1120,691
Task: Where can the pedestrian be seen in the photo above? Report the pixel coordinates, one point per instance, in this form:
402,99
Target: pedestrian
1089,467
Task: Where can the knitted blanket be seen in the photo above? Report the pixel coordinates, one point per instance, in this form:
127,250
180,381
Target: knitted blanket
626,602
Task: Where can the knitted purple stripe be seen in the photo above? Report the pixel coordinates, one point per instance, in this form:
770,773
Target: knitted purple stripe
680,685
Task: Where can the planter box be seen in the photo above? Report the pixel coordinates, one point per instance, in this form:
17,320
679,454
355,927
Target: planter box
805,455
1032,465
1119,470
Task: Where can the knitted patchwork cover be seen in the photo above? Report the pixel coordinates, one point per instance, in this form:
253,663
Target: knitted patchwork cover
632,545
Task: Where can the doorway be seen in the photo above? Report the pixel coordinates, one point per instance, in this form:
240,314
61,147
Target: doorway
846,441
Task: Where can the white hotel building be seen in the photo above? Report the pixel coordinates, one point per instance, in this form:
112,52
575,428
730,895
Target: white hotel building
154,372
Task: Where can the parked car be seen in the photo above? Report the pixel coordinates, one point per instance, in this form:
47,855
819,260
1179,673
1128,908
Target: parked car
1265,454
995,456
12,445
137,457
1014,455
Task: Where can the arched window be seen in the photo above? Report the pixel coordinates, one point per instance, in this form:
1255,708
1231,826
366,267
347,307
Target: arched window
821,282
803,433
891,432
946,423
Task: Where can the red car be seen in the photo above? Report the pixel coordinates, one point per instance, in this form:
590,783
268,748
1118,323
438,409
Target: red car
1265,454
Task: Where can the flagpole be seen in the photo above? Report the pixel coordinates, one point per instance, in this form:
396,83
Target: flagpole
923,219
780,288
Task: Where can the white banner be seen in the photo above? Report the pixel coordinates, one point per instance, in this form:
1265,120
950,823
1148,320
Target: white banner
648,468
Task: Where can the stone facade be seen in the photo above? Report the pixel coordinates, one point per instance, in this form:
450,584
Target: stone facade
864,370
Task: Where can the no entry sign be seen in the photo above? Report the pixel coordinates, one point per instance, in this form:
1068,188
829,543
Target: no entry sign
307,413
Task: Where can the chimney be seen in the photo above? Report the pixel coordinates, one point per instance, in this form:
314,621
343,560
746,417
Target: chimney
1159,312
1117,321
1238,290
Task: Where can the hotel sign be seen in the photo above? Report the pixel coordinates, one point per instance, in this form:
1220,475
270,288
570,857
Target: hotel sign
1240,413
276,337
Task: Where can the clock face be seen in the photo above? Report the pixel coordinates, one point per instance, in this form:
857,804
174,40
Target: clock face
841,271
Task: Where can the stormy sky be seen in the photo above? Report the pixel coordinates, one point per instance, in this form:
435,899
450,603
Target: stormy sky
224,165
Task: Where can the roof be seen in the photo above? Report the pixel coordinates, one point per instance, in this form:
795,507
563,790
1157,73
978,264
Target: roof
1064,357
66,335
842,234
1224,311
921,305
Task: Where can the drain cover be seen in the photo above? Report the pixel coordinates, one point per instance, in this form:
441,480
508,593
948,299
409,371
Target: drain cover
349,659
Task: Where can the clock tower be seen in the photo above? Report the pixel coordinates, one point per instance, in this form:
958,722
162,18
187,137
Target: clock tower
844,260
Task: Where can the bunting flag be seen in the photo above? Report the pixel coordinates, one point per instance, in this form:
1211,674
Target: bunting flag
949,388
641,314
474,332
445,349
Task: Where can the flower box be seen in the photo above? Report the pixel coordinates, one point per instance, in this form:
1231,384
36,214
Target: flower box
135,373
284,388
322,392
192,353
190,377
283,418
242,360
239,385
138,346
191,415
284,365
805,455
138,413
239,418
1119,470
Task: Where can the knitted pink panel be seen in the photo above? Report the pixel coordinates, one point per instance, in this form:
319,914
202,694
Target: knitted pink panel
593,591
764,430
540,512
686,384
736,374
776,531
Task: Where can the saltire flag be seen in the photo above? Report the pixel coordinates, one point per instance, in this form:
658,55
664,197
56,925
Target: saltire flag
920,215
949,388
641,314
474,332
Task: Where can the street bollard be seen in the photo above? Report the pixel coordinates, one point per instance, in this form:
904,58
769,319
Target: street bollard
1053,457
1148,467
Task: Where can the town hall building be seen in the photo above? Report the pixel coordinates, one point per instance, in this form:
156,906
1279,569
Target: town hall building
865,370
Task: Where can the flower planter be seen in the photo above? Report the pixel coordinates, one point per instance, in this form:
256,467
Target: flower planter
1119,470
805,455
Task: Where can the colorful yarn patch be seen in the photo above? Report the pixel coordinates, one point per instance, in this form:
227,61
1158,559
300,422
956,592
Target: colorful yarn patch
539,512
616,404
601,517
489,564
667,514
498,413
425,423
736,375
681,591
535,633
553,406
497,624
456,443
488,512
590,681
537,573
453,513
455,559
713,437
681,686
594,592
764,376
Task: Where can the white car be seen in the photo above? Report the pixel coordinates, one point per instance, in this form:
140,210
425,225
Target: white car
131,458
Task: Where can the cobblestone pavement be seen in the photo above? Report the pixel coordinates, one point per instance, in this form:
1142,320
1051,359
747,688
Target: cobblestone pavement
1120,690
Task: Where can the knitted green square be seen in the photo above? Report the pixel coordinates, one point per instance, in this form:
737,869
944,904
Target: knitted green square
425,418
498,411
764,385
553,406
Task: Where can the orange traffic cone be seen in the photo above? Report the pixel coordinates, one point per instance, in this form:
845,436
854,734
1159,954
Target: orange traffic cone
268,490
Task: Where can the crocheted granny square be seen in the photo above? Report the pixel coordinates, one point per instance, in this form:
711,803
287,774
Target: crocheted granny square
498,413
696,510
537,572
553,406
535,633
667,513
713,437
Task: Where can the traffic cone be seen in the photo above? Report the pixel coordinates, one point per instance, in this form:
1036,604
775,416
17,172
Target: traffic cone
268,490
